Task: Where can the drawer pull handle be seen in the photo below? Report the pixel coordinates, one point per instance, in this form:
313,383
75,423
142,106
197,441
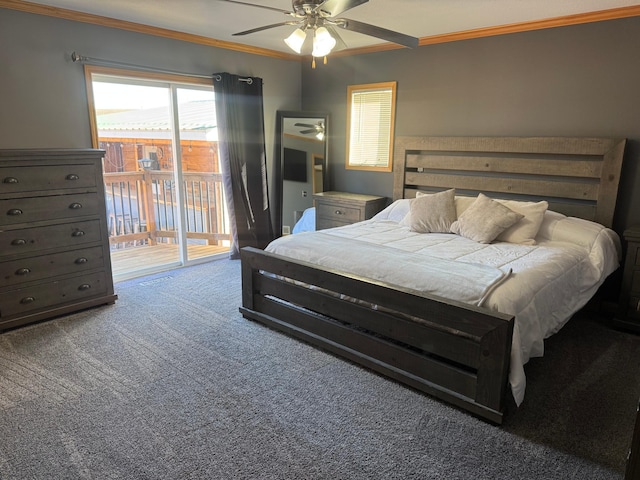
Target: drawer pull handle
19,241
10,180
26,300
72,176
14,212
84,287
78,233
338,212
23,271
75,206
81,260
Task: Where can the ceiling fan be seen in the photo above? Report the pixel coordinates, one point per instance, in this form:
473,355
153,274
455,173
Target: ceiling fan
320,17
317,129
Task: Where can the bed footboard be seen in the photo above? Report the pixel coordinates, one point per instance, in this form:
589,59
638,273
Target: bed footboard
450,350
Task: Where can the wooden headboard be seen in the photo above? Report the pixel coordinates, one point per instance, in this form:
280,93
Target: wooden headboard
578,176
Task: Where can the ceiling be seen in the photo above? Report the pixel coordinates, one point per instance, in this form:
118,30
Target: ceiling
215,19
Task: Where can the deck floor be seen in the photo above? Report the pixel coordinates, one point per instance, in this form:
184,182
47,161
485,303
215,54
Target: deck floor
136,261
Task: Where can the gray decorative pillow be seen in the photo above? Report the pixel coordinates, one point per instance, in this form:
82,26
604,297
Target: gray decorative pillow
484,220
433,213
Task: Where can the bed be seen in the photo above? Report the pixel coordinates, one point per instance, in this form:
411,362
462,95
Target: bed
457,349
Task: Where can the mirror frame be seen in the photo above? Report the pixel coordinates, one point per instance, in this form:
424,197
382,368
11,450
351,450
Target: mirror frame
281,115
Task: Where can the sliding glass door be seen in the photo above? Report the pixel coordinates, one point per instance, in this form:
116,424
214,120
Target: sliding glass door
164,190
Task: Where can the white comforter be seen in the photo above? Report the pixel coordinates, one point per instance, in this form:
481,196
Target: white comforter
543,285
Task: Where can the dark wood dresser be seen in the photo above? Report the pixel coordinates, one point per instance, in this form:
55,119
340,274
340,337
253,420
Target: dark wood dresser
54,244
335,209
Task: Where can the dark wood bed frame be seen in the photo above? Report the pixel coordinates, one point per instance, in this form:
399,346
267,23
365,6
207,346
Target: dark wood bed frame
450,350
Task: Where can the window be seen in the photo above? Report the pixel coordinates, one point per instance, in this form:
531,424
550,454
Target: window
370,123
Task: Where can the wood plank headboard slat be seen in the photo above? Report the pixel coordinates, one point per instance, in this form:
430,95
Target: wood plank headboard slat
568,167
539,188
578,176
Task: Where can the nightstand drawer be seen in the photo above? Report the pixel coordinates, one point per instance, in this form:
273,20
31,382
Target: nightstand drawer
338,213
35,209
322,223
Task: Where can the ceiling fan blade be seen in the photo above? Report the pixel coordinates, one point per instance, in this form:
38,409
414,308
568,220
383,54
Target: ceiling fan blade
313,130
286,12
303,125
378,32
340,45
336,7
266,27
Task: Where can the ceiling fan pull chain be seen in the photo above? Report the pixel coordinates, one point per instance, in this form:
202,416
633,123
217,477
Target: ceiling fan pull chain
325,59
313,62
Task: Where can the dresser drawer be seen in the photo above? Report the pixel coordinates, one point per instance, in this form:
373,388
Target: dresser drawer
46,177
40,297
338,213
30,269
34,209
28,240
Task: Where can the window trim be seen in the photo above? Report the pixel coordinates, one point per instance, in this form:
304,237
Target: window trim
355,89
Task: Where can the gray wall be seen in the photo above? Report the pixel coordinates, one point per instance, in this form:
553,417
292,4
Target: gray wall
44,102
581,80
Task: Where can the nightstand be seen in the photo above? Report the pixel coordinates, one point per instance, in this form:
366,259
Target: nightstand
628,316
335,209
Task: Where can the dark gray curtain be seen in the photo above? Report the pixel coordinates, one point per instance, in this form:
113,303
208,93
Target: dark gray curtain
240,118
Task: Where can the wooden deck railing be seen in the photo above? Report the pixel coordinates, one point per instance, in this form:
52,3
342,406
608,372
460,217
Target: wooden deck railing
143,210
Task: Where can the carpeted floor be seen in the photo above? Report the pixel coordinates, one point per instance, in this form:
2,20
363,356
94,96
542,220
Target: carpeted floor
172,383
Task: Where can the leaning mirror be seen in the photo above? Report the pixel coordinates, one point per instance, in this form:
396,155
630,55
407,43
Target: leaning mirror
300,167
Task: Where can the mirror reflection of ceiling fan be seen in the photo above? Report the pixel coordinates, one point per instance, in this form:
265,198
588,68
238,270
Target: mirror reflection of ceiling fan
316,129
320,17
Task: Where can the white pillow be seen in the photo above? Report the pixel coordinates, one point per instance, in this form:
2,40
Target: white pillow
484,220
524,232
462,203
396,211
549,223
432,213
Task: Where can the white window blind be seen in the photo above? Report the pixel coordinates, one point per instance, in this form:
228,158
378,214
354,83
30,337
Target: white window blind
371,123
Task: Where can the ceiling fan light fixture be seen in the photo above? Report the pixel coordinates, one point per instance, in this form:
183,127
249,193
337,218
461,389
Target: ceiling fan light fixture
323,42
296,40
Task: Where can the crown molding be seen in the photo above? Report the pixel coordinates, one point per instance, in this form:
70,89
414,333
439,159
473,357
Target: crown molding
567,20
564,21
76,16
